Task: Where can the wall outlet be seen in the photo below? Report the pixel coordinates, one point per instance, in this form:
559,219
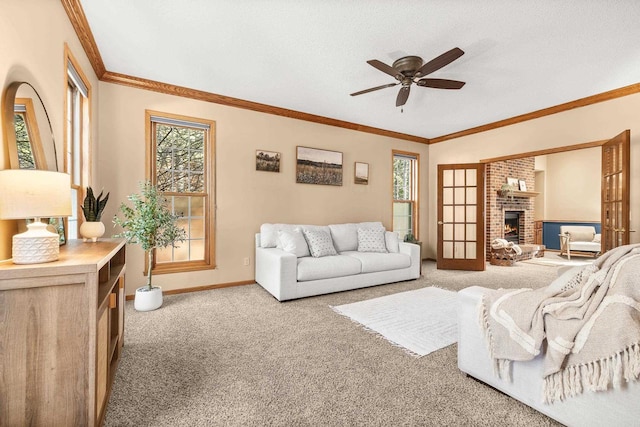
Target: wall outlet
246,261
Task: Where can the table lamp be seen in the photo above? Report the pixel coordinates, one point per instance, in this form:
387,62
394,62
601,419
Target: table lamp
30,193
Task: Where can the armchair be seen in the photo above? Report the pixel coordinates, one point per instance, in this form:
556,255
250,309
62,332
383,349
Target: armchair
579,238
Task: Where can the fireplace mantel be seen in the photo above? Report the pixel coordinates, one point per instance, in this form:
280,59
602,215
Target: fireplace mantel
518,193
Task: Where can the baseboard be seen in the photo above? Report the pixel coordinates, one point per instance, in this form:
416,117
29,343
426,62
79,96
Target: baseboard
201,288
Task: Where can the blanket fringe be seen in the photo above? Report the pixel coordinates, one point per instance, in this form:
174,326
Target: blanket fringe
623,366
501,367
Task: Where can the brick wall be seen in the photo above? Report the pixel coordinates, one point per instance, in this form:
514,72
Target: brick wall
496,175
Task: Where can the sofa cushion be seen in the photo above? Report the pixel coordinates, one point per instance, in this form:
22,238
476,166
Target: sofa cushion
372,262
327,267
371,240
392,241
585,246
293,241
320,243
345,236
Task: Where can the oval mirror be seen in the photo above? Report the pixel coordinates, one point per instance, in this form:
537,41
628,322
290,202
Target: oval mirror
29,137
27,129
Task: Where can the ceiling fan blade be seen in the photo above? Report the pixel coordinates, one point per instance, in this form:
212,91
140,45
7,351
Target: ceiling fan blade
439,62
402,96
374,88
440,83
385,68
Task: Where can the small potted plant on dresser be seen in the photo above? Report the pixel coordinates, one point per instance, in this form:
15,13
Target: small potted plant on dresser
150,224
92,228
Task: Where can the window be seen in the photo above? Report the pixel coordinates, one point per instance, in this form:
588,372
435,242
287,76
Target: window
181,166
25,137
405,193
76,137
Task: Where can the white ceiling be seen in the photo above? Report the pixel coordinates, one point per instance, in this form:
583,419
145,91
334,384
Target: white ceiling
309,55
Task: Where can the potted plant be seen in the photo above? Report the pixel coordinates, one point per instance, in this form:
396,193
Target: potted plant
150,224
506,190
92,228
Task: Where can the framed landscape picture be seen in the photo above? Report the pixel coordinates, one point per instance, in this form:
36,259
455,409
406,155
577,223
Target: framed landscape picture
315,166
361,173
268,161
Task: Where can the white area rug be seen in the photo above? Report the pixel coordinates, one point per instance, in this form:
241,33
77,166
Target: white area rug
420,321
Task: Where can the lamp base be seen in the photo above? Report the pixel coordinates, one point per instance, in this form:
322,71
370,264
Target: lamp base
36,245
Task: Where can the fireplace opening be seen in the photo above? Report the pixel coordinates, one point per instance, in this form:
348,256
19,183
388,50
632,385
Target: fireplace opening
512,226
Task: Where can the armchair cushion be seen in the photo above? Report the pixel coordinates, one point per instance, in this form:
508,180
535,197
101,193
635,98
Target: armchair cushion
579,233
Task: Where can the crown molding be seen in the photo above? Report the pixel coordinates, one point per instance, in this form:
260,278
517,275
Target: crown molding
81,26
140,83
582,102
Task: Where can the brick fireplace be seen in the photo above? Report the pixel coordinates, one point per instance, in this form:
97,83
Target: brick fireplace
498,206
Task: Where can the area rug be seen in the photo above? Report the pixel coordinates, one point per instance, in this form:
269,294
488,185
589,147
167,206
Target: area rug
420,321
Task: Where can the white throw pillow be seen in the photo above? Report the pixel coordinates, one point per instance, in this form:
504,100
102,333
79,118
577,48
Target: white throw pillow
293,241
392,242
344,236
320,243
597,238
371,240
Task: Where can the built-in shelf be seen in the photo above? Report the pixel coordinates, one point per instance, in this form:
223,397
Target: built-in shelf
518,193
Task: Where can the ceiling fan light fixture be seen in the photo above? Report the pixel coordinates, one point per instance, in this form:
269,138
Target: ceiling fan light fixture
410,68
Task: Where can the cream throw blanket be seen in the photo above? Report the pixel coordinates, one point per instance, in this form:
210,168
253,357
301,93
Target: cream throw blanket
591,324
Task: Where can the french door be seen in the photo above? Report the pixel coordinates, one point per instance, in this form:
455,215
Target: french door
615,191
461,233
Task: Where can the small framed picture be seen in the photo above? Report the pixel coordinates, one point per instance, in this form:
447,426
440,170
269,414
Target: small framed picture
513,182
361,173
523,185
268,161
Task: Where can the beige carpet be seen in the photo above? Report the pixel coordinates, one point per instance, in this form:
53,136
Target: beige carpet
238,357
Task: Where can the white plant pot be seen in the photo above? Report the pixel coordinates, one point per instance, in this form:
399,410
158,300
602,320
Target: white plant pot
91,230
148,300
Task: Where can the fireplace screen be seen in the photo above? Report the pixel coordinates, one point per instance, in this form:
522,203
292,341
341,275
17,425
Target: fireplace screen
512,226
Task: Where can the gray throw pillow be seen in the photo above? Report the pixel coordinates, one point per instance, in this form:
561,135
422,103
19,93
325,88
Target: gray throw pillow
320,243
371,240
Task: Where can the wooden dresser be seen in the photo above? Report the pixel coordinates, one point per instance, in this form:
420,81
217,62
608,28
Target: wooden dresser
61,335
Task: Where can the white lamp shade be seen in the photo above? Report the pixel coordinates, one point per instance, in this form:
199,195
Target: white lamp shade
28,193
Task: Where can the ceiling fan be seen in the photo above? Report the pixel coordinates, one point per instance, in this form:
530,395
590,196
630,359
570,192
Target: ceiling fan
410,69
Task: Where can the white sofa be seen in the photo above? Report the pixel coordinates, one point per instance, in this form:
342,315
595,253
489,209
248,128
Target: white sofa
288,272
606,408
579,238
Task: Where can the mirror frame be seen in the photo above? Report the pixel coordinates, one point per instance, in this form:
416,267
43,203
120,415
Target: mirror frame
9,134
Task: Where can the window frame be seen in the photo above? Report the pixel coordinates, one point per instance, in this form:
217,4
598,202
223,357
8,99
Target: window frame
81,122
414,200
209,204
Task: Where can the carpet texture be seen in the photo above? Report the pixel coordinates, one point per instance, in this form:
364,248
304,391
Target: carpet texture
420,321
238,357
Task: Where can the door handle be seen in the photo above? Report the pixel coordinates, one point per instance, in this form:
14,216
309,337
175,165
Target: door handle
440,222
619,230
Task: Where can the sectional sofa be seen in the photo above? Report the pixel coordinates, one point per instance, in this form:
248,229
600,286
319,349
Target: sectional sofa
295,261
